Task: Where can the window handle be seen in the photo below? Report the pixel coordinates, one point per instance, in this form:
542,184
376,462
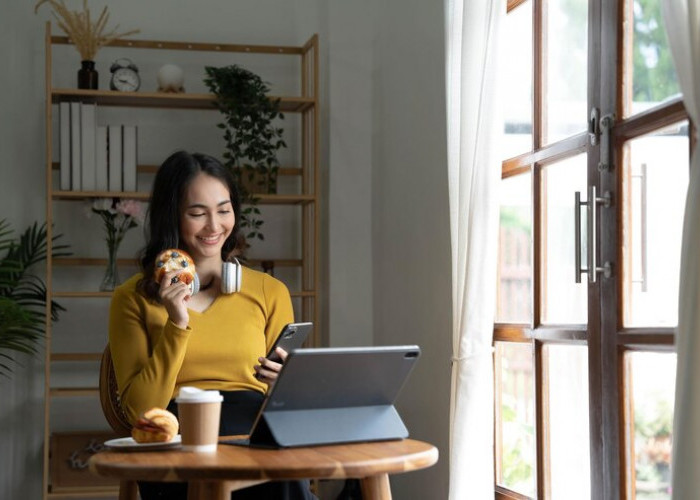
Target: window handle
643,234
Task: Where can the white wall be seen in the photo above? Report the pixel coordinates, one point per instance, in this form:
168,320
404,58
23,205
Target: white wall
411,243
385,238
350,204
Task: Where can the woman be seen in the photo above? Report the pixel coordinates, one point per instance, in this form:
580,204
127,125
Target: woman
162,337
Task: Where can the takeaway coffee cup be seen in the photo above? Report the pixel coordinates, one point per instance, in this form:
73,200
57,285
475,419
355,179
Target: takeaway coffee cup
199,413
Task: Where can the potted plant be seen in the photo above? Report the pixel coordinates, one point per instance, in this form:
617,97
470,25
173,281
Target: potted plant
22,294
252,140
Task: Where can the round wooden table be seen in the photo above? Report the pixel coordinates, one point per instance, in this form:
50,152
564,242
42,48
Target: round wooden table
232,467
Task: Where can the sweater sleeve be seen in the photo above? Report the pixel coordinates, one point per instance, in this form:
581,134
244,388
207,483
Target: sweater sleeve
279,308
146,367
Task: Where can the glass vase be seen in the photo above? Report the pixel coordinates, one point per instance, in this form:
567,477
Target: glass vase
87,75
111,277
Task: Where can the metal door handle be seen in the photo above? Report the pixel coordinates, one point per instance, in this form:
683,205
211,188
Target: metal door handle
591,204
643,188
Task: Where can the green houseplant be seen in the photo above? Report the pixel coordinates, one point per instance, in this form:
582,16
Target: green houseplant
252,140
23,294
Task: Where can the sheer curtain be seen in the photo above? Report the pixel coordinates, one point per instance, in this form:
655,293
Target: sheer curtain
682,19
474,126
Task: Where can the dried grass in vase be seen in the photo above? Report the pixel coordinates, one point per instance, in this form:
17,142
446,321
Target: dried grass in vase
87,35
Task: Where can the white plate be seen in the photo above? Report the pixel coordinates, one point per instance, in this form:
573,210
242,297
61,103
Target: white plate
128,444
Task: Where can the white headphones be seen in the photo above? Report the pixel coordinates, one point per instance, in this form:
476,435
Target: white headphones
231,276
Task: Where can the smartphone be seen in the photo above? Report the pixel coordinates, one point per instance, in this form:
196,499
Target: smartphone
291,337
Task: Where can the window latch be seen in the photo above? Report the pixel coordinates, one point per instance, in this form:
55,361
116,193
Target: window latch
594,126
599,132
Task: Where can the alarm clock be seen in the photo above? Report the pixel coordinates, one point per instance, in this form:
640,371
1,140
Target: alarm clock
125,76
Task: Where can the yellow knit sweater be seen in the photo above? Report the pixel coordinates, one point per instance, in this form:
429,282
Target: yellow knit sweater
153,358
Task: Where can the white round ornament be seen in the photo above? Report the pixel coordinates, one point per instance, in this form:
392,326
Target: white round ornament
171,78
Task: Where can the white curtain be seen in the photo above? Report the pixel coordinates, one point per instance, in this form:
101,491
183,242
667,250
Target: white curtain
474,128
682,19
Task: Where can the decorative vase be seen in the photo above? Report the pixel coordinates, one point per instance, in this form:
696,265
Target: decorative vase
111,277
87,75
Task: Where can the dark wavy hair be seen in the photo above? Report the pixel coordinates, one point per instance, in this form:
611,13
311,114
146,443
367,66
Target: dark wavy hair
163,218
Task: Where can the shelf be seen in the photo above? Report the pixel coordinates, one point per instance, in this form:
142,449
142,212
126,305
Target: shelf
166,100
82,195
80,295
84,492
98,262
88,295
302,176
75,356
152,169
89,261
196,46
285,199
263,199
69,392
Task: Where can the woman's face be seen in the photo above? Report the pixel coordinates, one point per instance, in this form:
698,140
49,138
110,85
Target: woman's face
207,217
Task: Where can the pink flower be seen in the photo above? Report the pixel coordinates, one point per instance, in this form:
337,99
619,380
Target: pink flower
131,208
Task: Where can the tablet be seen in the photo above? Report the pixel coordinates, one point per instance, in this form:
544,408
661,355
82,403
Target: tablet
335,395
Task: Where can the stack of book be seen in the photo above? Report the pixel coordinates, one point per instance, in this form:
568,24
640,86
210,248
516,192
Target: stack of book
95,157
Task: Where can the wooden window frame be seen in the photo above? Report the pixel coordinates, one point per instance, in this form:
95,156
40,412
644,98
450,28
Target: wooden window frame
608,341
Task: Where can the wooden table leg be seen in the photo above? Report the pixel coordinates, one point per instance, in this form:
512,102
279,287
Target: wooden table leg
217,490
128,490
201,490
376,487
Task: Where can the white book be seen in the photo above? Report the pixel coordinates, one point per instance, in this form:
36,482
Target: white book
114,159
101,179
75,181
129,157
88,117
64,145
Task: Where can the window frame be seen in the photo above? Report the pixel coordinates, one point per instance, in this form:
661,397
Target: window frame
612,469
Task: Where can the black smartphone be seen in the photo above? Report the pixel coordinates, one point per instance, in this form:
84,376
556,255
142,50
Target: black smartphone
291,337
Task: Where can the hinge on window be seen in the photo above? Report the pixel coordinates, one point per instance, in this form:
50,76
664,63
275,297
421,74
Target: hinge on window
600,131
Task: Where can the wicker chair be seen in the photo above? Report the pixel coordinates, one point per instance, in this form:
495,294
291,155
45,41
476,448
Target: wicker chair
115,415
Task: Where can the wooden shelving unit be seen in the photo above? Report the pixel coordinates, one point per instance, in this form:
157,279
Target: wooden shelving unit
306,200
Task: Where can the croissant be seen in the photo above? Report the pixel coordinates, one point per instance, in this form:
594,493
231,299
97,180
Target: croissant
155,426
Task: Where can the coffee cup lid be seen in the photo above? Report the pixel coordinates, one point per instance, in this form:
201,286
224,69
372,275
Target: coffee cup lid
193,395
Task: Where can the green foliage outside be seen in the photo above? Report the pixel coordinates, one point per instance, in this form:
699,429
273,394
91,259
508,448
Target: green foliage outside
517,468
653,427
23,294
654,75
516,217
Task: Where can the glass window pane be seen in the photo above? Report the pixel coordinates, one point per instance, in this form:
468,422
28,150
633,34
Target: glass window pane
515,429
566,68
648,58
563,300
517,69
653,379
657,181
567,379
514,256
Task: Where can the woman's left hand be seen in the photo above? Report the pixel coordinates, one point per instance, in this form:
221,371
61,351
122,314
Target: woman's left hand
267,371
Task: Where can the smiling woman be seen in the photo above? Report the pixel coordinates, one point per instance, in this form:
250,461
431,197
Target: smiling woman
163,335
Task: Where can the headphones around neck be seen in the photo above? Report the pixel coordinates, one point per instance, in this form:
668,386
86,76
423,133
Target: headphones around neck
231,277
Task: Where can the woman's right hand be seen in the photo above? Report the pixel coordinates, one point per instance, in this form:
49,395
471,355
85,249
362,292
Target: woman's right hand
174,297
